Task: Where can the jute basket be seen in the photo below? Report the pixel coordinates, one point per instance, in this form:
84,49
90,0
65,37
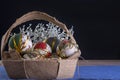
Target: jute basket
38,69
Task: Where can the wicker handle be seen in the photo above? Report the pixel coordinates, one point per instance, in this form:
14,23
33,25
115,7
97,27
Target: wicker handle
34,15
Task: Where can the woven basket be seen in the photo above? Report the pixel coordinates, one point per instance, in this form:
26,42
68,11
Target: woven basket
38,69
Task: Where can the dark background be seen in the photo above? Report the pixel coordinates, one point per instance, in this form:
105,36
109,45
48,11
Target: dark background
96,23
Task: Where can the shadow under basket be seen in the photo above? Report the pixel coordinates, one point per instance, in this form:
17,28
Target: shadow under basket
38,69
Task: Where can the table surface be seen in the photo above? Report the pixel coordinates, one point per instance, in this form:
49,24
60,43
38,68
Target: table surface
95,62
88,69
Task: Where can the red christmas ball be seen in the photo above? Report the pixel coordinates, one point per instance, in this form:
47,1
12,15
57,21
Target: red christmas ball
43,49
40,45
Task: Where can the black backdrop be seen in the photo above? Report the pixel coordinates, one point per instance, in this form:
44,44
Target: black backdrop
96,23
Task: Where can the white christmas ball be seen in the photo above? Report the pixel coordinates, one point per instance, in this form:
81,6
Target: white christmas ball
69,51
66,48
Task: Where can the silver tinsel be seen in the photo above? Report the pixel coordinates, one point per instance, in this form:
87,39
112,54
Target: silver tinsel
44,31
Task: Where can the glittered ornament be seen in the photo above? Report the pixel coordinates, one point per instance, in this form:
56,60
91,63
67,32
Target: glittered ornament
53,42
33,55
66,48
43,48
20,42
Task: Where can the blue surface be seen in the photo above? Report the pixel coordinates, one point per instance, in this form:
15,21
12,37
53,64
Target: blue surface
98,72
86,73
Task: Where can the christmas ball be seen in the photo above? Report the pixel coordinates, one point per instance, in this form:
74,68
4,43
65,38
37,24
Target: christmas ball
20,43
53,42
43,48
66,48
32,55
